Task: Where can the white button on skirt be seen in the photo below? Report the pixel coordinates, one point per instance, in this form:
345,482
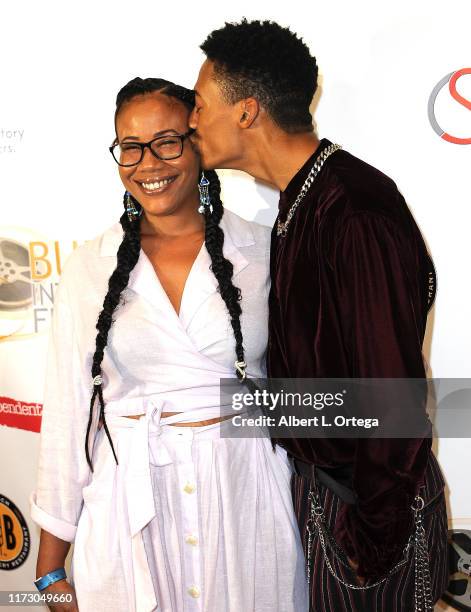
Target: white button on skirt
224,537
187,521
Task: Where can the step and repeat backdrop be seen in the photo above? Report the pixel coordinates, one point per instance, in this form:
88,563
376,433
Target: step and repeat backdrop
395,90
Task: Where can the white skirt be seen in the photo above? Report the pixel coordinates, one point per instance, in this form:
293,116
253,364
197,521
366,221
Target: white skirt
188,521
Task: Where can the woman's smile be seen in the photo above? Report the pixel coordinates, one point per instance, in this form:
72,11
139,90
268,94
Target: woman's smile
155,185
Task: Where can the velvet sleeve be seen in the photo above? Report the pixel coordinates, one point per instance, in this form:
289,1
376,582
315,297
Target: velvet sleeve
378,285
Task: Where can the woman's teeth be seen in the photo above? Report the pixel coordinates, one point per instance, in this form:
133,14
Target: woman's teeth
157,184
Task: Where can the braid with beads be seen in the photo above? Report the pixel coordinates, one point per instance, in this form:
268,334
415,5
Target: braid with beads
128,255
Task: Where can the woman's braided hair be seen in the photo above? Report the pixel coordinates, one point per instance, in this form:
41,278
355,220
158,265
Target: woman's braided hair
129,250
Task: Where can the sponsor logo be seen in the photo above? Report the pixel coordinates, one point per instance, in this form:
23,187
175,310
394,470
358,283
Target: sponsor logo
30,268
458,593
21,415
14,536
450,80
10,138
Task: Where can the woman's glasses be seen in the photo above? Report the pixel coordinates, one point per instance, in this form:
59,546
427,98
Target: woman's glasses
163,147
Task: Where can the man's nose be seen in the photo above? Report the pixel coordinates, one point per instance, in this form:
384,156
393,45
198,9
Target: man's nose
193,120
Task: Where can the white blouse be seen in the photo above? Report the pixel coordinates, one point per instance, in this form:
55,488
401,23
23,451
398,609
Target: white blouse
152,353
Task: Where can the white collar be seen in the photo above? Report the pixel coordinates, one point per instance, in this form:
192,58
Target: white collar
201,283
237,233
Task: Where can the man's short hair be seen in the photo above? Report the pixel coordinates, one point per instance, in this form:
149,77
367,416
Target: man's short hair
260,59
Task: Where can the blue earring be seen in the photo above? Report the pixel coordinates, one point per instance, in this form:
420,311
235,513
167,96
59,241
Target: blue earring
205,200
131,210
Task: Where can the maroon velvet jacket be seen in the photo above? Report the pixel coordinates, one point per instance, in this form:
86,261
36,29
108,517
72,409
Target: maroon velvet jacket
349,299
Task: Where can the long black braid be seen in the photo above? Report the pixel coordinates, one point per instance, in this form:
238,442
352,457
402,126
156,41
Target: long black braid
223,269
129,250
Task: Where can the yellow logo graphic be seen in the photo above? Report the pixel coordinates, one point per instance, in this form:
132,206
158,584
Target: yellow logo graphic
14,535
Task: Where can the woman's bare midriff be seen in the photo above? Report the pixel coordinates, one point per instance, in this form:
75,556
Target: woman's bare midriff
190,424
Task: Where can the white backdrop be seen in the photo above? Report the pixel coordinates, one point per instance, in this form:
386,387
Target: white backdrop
61,67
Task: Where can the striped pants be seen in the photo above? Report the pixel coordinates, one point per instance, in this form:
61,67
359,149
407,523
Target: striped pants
396,594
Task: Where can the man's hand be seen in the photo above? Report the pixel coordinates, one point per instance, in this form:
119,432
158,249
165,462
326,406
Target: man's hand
354,565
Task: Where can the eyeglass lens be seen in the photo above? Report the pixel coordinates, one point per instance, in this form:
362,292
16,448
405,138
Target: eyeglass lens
129,153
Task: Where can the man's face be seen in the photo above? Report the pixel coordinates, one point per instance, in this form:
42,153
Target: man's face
217,135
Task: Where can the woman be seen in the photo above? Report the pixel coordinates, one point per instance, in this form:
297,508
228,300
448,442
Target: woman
163,511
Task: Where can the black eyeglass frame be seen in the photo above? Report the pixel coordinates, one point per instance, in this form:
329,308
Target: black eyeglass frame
148,145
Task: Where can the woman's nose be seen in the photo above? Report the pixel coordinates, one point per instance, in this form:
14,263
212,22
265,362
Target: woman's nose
149,160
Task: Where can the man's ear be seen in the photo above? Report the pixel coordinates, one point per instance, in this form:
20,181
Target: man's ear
249,110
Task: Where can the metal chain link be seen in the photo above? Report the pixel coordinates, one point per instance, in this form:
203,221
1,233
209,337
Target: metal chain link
282,228
417,540
423,582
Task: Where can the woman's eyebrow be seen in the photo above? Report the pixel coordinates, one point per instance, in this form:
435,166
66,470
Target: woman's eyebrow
156,135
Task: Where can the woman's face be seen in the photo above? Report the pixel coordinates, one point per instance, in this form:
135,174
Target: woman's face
141,119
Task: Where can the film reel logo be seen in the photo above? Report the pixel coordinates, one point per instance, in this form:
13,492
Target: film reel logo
450,80
30,268
16,285
15,275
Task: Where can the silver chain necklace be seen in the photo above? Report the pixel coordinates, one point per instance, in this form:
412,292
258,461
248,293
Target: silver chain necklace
282,228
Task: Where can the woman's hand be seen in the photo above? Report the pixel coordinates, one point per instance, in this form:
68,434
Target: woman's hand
62,587
52,554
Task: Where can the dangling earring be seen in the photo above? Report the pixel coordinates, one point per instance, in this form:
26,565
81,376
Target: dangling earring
205,200
131,209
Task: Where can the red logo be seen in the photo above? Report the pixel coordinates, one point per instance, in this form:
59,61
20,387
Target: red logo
450,79
20,415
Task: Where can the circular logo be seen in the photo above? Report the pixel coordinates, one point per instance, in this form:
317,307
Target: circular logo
458,593
15,275
451,80
16,286
14,536
26,276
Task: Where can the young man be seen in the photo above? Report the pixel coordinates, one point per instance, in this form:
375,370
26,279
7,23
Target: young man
349,299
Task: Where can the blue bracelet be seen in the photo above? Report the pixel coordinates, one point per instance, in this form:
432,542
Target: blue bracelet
45,581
